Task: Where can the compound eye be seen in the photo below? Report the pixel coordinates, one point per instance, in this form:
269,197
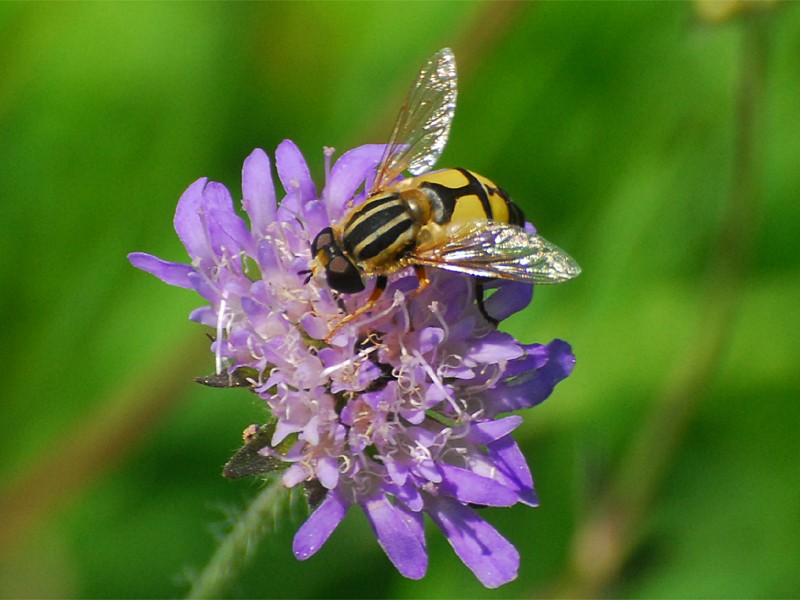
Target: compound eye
324,238
343,276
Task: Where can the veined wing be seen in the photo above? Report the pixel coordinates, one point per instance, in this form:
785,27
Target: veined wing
423,125
492,249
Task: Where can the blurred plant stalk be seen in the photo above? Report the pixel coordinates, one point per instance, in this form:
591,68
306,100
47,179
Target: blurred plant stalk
612,532
237,547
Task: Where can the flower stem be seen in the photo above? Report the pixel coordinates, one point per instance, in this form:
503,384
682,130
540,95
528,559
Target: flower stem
237,548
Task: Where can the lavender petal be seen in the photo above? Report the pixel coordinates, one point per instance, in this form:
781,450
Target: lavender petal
313,534
347,174
492,558
398,536
512,469
293,171
485,432
534,389
187,221
510,297
169,272
228,230
469,487
258,191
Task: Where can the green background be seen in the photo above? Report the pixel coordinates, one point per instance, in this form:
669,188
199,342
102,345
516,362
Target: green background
667,465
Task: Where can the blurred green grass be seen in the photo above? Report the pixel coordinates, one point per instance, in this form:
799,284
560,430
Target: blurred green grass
613,125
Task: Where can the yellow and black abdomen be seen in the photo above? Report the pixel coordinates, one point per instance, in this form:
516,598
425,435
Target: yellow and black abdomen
420,212
461,197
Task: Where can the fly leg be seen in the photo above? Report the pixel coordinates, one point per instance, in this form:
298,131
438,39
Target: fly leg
479,297
380,286
423,279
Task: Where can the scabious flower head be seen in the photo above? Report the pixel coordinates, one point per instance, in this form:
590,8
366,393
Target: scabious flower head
405,411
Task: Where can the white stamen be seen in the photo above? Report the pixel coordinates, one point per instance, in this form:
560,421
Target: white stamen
220,329
254,350
437,382
397,301
344,463
328,152
420,452
490,382
434,308
333,368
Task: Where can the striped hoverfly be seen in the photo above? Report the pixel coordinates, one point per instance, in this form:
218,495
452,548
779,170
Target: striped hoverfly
451,219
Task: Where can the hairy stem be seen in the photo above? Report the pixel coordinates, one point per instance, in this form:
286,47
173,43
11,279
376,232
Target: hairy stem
239,545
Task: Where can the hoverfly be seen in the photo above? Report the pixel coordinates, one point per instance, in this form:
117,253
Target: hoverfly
450,219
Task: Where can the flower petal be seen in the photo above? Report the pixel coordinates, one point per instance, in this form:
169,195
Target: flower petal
535,358
328,472
494,347
258,191
187,221
398,535
492,558
205,315
169,272
512,469
488,431
510,297
349,172
228,230
313,534
293,170
225,229
315,217
532,390
409,496
469,487
294,475
217,196
415,521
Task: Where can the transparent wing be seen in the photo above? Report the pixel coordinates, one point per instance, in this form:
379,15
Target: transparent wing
491,249
423,125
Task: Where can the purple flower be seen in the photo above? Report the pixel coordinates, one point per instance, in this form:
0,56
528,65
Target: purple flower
404,412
